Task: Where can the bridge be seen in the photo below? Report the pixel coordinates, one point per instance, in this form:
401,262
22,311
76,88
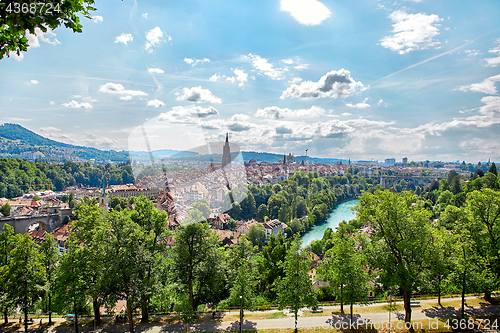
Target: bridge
434,177
21,224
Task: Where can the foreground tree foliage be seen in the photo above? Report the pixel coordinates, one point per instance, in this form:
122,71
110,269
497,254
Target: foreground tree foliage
346,269
6,245
50,260
295,288
26,273
483,210
14,26
197,265
401,243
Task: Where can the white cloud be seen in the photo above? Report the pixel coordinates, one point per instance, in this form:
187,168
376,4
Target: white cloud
333,84
240,76
412,32
75,105
98,141
275,112
183,115
307,12
18,119
124,38
487,86
156,70
52,103
97,19
345,114
216,77
154,37
49,129
287,61
264,67
472,53
34,39
301,67
197,95
362,105
294,80
31,82
494,62
116,88
145,15
380,102
194,62
155,103
16,57
126,98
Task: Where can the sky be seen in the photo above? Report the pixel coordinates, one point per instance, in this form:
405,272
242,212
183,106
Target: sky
361,79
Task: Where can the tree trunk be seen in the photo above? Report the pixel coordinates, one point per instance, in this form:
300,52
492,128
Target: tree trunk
130,318
463,292
407,306
296,329
25,319
191,296
439,291
97,312
341,299
144,311
487,296
6,316
50,309
241,316
76,319
351,312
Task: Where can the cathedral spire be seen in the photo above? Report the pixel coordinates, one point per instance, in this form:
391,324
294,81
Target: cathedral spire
226,153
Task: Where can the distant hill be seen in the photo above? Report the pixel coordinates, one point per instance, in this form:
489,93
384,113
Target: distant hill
17,132
35,142
271,157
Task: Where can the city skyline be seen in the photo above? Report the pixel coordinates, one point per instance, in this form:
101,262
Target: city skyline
360,80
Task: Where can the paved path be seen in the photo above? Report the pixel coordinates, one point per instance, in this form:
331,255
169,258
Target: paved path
376,319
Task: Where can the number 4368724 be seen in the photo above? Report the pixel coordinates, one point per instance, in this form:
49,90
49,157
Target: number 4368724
33,8
485,324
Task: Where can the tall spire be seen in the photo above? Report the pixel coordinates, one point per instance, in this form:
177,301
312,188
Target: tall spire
226,153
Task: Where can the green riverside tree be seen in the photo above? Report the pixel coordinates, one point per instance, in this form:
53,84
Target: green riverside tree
295,288
26,273
345,268
196,263
50,259
402,239
6,245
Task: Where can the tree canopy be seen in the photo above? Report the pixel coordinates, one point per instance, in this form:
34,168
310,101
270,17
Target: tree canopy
22,17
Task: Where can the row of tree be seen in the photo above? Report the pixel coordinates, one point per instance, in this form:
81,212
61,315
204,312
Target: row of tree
127,255
18,176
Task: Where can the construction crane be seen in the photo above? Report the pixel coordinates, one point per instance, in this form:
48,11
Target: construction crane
49,185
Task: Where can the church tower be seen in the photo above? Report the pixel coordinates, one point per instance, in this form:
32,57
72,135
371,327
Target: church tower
103,198
226,153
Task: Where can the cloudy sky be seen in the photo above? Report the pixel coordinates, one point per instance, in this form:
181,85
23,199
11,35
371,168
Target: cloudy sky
355,79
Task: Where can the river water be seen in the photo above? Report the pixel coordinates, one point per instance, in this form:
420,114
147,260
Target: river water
340,213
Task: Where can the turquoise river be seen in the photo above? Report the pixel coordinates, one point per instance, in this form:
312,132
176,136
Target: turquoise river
340,213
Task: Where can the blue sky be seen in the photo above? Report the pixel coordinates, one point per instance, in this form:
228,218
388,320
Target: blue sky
345,79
